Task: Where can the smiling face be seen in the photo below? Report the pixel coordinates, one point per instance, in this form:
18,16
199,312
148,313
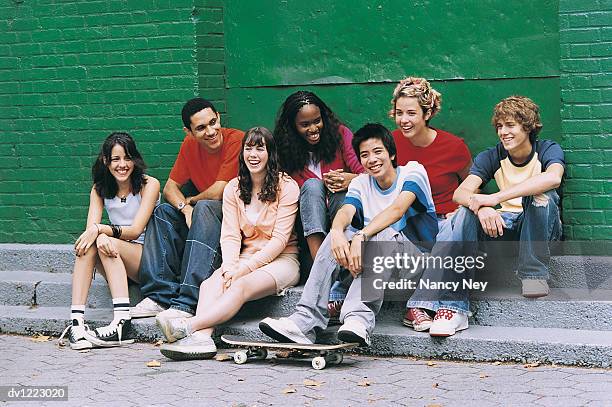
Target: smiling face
309,123
512,135
120,166
375,159
205,128
255,157
409,117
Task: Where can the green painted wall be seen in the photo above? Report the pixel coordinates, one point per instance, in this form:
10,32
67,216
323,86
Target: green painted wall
71,72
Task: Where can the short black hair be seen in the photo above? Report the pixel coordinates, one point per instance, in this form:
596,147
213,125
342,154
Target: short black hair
192,107
377,131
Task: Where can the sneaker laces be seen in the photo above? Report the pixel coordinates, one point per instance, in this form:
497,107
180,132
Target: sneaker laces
111,329
443,313
334,307
69,329
420,316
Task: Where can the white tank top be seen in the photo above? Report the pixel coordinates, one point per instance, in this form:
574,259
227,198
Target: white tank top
123,213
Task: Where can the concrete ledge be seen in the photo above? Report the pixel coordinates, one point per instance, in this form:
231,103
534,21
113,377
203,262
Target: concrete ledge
478,343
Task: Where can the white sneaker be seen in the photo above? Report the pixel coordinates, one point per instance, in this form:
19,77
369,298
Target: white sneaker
195,346
283,330
175,329
353,331
146,308
163,321
448,322
76,336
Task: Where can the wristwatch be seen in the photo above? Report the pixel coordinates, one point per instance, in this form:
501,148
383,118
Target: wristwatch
361,232
181,205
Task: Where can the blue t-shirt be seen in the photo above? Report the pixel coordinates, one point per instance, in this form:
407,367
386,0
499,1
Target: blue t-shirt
419,223
496,163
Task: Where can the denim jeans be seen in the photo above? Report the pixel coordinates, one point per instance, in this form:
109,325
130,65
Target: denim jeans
445,234
318,206
538,223
311,314
176,259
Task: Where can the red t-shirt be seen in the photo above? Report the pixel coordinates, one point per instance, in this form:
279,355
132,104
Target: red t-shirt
443,160
203,168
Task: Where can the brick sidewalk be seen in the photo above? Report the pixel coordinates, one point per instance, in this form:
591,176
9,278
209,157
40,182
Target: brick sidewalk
120,376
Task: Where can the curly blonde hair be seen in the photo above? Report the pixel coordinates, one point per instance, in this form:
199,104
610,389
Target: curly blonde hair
429,99
521,109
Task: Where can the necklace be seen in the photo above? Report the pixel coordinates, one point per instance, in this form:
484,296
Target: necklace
123,198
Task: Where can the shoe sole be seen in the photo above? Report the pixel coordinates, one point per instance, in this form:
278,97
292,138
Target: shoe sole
352,337
272,333
81,346
534,295
104,344
177,355
446,334
164,326
419,328
144,315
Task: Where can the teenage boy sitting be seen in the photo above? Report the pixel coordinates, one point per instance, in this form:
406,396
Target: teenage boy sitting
527,171
406,189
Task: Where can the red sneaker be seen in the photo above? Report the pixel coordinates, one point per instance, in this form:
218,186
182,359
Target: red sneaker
333,309
418,319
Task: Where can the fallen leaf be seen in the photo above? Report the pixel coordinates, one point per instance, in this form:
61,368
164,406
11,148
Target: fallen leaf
221,357
482,375
534,364
158,343
430,363
497,363
154,363
282,354
312,383
434,405
364,383
40,338
435,385
289,390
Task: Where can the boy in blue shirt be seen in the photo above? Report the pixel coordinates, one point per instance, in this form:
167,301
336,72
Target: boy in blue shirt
528,171
411,218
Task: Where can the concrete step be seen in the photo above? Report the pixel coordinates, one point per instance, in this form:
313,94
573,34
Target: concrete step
41,288
567,271
563,308
478,343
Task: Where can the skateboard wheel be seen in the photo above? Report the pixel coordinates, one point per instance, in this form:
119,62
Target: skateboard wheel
335,358
318,363
240,357
260,354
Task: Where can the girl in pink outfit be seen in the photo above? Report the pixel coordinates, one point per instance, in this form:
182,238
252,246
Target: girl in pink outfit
259,247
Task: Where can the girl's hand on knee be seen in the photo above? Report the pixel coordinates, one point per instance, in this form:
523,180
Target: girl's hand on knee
87,238
106,246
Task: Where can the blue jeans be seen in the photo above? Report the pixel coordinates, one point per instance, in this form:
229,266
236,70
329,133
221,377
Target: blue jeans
176,259
537,224
311,314
445,234
318,206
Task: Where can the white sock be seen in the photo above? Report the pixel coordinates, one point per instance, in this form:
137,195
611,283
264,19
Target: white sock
121,309
77,313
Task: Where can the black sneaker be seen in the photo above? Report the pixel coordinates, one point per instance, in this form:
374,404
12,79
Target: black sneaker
333,309
76,336
114,334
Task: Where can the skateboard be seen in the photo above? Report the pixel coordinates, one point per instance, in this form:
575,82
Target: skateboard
321,354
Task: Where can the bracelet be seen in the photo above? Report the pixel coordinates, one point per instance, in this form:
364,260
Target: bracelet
116,231
97,227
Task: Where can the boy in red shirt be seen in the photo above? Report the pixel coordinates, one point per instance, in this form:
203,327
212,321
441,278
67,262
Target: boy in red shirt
182,238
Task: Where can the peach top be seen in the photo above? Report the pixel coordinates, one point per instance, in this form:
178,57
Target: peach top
272,233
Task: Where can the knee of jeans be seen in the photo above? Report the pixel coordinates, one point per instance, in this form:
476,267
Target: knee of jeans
164,211
205,206
312,186
541,200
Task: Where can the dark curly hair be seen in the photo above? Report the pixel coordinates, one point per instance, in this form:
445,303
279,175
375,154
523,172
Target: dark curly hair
104,182
260,137
293,149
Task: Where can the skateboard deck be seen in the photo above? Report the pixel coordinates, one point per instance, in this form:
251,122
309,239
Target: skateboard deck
321,354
